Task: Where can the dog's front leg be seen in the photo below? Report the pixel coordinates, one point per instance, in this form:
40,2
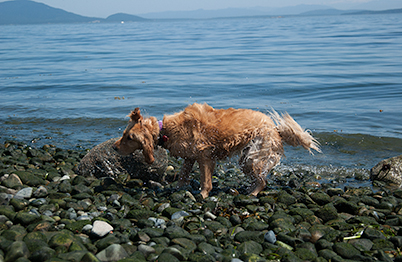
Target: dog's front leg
206,170
185,171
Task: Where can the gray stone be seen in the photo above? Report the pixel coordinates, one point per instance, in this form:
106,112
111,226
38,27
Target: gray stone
179,214
270,237
104,161
114,252
24,193
158,222
250,247
175,252
146,250
40,192
101,228
185,243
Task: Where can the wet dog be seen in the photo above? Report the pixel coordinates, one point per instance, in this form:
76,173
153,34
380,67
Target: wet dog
204,134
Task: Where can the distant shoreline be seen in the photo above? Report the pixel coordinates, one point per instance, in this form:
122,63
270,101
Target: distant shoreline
30,12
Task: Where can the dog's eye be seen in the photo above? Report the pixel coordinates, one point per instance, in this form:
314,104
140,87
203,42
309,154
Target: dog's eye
129,138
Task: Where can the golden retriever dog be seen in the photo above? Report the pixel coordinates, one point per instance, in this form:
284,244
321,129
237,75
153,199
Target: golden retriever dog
204,134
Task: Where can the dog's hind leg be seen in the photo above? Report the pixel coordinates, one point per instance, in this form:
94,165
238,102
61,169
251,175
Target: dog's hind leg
257,160
206,169
185,171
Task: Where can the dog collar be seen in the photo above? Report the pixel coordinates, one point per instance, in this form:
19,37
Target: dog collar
162,138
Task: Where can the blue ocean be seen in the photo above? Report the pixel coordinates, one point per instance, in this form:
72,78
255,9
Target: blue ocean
72,85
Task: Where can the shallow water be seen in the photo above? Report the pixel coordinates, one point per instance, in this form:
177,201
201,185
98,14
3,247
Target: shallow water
339,76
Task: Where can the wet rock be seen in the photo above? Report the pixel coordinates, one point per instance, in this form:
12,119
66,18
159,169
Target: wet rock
61,239
250,247
19,204
281,222
11,181
17,250
327,212
176,232
185,243
306,254
26,218
140,214
244,236
41,191
321,198
30,179
372,234
382,244
24,193
146,250
104,161
42,254
286,199
114,252
388,170
168,257
346,250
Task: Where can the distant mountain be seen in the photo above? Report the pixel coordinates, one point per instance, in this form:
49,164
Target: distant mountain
29,12
298,9
233,12
331,11
119,17
365,12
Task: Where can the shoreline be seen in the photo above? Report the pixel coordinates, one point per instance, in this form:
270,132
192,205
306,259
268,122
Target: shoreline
49,212
341,150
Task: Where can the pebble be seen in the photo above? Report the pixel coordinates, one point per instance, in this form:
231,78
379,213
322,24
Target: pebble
101,228
270,237
25,193
179,214
158,222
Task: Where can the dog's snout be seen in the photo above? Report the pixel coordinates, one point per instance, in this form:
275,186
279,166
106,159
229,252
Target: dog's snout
115,147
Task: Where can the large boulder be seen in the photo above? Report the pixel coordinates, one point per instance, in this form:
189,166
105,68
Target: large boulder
104,161
388,170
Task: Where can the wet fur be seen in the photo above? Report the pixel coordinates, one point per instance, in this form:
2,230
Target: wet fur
204,134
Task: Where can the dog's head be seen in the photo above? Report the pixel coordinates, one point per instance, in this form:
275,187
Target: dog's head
140,133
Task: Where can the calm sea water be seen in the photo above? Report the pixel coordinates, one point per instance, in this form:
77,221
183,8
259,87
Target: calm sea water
339,76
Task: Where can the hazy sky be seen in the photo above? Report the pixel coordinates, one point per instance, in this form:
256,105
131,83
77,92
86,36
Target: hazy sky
104,8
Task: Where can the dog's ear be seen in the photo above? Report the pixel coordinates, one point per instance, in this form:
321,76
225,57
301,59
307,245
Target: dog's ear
135,115
148,150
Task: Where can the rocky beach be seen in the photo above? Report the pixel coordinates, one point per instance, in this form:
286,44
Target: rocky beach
79,205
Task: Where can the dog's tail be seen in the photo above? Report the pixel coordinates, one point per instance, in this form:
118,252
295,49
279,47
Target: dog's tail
293,134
